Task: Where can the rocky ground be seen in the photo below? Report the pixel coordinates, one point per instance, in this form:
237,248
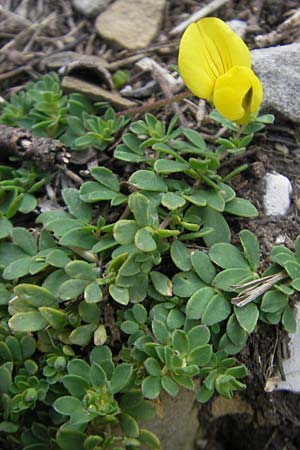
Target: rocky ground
88,41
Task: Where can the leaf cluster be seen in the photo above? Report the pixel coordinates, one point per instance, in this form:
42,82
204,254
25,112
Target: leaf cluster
132,288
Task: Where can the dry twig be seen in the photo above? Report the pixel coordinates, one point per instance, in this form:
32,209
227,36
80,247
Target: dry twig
45,152
289,26
203,12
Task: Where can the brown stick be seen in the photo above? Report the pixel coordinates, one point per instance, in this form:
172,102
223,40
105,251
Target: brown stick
45,152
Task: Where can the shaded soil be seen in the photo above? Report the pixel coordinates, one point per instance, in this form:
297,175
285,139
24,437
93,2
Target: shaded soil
275,421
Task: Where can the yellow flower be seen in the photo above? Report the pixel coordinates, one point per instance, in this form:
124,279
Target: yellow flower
215,64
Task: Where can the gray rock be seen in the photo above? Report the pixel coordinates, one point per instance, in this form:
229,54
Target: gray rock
278,190
90,8
279,70
238,26
131,24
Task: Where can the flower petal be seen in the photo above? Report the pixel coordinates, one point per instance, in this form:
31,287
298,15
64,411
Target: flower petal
209,48
237,94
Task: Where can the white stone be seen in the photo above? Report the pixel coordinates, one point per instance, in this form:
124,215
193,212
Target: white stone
276,199
291,366
90,8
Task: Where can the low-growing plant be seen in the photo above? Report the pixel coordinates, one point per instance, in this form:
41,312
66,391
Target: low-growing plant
131,288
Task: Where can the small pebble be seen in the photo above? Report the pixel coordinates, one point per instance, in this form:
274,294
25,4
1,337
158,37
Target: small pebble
278,190
90,8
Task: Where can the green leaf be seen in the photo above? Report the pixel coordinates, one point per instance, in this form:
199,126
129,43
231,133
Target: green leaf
273,301
6,378
195,138
214,219
72,289
76,385
230,277
103,244
9,427
70,439
172,201
129,327
152,367
247,316
79,237
78,367
28,203
106,177
186,283
226,345
204,394
198,302
89,312
289,320
175,319
251,248
140,313
55,317
218,309
124,231
129,425
144,212
296,284
82,334
212,198
119,294
81,270
203,266
18,268
198,336
28,345
62,226
92,192
121,377
161,283
144,241
241,207
148,181
166,166
293,269
67,405
100,335
76,206
93,293
27,321
169,386
180,255
180,342
25,240
148,438
5,227
200,355
197,198
160,331
97,375
235,332
227,256
151,387
57,258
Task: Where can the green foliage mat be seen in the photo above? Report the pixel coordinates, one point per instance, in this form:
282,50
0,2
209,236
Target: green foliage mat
184,298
